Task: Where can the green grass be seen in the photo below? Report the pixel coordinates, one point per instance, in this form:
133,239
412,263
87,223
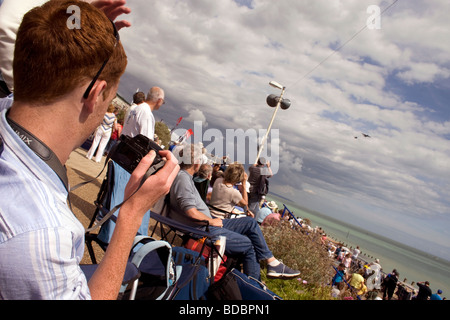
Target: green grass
302,252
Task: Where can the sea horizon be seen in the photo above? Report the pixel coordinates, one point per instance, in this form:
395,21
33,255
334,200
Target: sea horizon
412,263
373,234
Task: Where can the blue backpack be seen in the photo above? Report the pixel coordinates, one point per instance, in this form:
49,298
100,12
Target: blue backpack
194,281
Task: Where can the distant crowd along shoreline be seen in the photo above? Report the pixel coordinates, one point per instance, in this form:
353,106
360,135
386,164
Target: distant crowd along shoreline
359,261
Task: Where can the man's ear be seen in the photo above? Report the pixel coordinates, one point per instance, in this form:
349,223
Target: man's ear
95,94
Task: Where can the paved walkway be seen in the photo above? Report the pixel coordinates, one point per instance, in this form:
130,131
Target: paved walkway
78,161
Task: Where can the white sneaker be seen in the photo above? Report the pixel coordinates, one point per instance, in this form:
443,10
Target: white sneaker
281,271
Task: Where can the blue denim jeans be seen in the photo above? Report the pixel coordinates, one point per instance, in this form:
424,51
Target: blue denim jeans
244,237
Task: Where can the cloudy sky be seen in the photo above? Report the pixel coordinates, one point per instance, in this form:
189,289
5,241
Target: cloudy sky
344,74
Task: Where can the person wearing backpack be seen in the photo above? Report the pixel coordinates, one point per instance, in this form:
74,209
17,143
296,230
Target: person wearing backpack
259,174
389,285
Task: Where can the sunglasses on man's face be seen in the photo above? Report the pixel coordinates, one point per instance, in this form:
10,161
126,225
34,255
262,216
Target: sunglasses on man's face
89,88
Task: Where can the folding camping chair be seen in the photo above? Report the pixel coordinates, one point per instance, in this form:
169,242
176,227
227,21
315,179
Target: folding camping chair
170,230
131,276
102,205
174,229
151,269
291,214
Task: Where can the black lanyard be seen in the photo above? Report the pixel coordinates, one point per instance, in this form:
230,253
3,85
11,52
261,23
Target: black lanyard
41,150
49,157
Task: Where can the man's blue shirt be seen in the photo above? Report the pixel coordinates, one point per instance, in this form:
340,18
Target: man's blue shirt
41,241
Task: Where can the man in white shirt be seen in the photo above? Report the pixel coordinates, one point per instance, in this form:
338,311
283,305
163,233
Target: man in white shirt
141,119
138,98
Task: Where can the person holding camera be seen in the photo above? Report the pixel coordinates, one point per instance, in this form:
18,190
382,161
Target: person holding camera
41,241
229,192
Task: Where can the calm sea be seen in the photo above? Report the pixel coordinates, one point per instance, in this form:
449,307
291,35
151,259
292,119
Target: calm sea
412,264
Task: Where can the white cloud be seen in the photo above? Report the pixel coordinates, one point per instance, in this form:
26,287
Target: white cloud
423,72
197,115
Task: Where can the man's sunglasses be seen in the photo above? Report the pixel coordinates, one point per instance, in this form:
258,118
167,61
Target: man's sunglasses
89,88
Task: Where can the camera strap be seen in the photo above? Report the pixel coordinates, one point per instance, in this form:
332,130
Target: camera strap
41,150
50,158
46,154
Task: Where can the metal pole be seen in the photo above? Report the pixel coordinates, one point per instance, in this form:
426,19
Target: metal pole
261,146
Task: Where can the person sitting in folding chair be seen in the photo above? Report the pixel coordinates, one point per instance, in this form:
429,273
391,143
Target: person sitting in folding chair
202,181
243,236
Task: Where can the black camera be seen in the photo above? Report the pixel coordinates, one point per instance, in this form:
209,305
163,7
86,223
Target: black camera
130,151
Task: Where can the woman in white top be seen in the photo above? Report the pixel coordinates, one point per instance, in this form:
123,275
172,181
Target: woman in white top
102,134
